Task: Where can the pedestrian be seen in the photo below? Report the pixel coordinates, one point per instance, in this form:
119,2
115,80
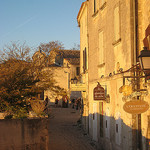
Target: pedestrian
78,103
66,101
46,104
56,102
63,102
73,101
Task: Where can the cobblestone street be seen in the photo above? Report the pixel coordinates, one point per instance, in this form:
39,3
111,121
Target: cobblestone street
64,132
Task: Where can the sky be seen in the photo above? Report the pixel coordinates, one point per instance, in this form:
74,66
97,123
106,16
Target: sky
39,21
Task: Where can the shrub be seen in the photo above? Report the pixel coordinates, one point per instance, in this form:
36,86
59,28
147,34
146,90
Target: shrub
15,112
20,113
38,107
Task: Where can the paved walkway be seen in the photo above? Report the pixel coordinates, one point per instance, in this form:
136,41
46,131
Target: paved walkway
64,132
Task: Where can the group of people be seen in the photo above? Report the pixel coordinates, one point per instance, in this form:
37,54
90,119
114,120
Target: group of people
75,103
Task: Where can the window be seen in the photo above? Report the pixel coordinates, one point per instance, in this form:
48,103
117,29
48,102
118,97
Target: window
101,48
101,62
59,60
95,8
116,128
78,71
107,123
84,60
101,119
116,24
148,41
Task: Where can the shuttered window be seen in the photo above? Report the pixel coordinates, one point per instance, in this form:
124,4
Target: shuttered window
101,48
95,7
78,71
116,23
84,60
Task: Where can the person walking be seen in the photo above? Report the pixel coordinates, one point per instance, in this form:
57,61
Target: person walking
56,102
78,103
73,101
46,104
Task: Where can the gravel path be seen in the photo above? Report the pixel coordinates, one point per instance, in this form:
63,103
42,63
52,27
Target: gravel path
65,133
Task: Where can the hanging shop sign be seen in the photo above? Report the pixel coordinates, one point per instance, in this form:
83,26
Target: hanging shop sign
99,93
126,90
136,107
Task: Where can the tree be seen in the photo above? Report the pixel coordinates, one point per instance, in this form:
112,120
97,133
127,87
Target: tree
16,81
52,45
15,75
16,51
76,47
20,77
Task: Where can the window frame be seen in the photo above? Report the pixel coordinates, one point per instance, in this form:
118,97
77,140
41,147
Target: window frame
117,24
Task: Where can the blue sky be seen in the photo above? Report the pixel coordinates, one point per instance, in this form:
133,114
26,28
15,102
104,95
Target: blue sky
39,21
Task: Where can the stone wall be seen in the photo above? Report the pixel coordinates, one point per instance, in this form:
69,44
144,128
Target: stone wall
26,134
111,48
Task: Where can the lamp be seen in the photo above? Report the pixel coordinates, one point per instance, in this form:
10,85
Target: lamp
74,80
144,59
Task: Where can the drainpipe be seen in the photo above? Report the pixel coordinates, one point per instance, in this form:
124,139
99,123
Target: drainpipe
138,5
133,62
136,119
87,96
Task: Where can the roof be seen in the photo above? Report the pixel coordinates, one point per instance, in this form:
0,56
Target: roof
73,56
74,61
54,65
69,53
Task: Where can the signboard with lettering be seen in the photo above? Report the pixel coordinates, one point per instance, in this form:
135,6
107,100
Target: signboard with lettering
99,93
78,87
136,107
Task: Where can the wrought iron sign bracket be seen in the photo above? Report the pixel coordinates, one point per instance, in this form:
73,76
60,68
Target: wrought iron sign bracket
137,78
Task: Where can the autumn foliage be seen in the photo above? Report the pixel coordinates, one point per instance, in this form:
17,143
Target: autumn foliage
21,78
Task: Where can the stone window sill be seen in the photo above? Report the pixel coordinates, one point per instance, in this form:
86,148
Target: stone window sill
116,42
101,65
95,14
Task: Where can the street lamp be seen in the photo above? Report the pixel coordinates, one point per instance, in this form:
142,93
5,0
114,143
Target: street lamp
144,59
74,80
138,69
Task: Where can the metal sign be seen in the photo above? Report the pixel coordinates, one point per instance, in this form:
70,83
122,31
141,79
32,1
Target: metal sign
99,93
136,107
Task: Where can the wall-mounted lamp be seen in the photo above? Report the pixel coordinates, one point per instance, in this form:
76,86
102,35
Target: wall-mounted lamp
143,66
144,59
74,80
102,76
110,74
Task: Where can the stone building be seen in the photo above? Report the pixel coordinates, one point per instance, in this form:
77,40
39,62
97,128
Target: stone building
113,32
83,24
65,65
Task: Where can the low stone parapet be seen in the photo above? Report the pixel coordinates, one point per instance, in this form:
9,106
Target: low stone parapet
25,134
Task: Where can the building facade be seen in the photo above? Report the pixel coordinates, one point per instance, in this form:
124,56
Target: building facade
113,32
64,65
83,24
